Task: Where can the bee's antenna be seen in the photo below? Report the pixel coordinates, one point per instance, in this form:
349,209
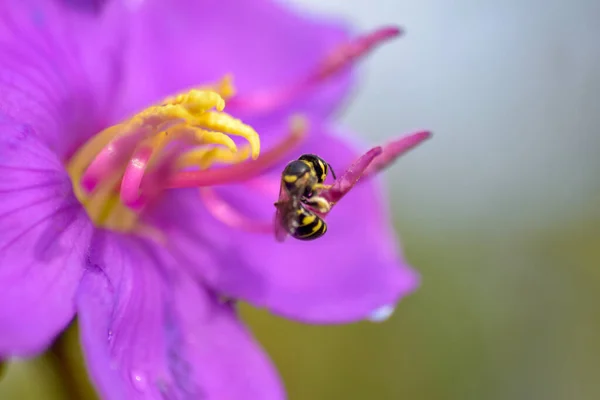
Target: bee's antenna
332,171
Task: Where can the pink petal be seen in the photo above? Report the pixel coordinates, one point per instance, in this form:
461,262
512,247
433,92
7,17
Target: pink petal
60,67
53,92
44,234
151,331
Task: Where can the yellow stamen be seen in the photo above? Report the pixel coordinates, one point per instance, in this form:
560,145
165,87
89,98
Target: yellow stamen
203,136
225,87
194,101
205,158
226,123
194,118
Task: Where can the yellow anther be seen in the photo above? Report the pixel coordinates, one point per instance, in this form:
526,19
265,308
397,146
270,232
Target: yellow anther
204,136
226,123
197,101
205,158
224,87
157,117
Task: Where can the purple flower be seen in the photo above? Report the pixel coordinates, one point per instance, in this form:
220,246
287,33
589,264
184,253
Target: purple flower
102,216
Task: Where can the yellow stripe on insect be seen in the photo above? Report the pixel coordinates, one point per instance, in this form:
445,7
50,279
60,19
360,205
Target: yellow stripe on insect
317,226
309,219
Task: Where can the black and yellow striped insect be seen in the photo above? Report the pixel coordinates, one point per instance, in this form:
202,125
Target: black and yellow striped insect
301,182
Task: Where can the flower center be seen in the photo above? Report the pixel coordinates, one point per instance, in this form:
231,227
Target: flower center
118,172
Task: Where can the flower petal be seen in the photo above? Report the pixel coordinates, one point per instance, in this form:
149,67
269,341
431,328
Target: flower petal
60,67
150,331
355,269
51,90
44,234
264,44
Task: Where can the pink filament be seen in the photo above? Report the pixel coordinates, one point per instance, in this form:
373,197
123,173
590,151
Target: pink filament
372,162
131,195
395,149
343,56
351,176
227,214
349,53
110,159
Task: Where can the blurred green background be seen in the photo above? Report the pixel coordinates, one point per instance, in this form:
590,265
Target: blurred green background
499,213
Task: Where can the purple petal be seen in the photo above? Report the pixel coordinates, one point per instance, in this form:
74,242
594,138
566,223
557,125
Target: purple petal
151,331
353,271
60,67
264,44
44,234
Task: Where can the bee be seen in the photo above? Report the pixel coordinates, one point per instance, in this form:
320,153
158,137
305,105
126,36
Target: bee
301,182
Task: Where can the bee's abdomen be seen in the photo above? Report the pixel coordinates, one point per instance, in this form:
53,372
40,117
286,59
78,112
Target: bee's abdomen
309,225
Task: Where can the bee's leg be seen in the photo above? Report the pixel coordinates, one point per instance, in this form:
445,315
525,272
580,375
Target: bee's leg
320,204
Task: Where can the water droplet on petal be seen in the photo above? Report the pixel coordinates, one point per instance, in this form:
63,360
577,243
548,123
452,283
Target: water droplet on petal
381,314
110,335
139,380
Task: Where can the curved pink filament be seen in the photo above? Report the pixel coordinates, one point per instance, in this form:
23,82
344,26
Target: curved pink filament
227,214
371,163
351,176
349,53
237,172
395,149
110,159
341,57
131,195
